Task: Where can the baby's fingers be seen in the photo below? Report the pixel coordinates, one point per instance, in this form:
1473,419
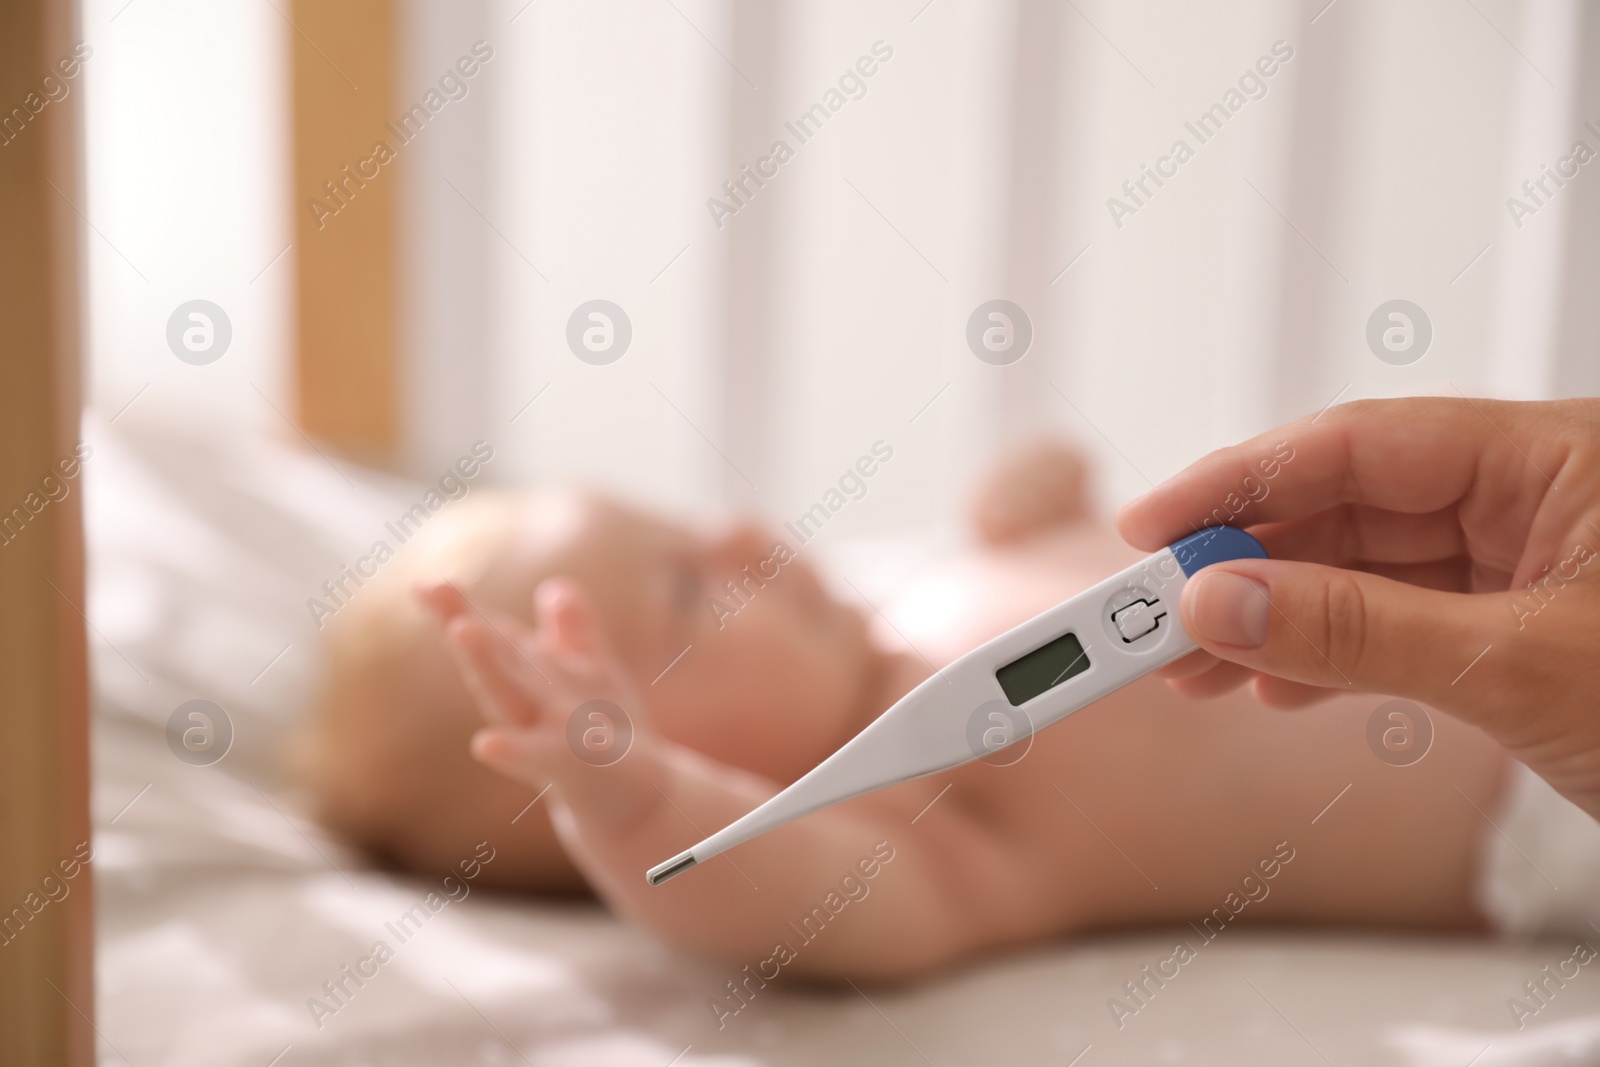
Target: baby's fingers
577,643
526,755
442,598
571,624
507,685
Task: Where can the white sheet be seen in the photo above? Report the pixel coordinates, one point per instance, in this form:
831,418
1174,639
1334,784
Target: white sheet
222,910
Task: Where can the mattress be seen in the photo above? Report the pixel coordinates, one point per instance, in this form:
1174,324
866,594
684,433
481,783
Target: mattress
222,910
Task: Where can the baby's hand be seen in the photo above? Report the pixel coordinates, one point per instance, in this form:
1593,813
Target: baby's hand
1032,489
558,700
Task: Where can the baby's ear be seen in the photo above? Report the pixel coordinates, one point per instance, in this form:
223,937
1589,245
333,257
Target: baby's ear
566,612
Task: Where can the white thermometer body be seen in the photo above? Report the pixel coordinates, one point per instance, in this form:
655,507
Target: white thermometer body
1005,690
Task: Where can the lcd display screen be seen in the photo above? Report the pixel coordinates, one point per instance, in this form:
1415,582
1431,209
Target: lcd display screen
1042,669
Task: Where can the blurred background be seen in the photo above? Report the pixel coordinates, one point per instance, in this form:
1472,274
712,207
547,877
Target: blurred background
772,344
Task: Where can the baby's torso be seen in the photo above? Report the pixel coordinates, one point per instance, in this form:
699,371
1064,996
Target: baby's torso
1145,788
1052,790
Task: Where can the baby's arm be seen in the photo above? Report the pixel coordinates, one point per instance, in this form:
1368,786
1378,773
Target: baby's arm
892,900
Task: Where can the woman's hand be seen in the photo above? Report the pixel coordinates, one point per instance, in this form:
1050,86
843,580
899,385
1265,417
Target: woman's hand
1445,550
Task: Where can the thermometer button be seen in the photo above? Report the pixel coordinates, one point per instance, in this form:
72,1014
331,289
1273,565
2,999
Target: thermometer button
1137,619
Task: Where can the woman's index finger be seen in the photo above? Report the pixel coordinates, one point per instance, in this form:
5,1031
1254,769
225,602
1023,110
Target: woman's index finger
1412,455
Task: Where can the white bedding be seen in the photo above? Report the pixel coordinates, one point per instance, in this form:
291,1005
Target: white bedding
222,910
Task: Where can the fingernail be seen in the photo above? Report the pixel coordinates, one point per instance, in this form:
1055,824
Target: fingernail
1230,609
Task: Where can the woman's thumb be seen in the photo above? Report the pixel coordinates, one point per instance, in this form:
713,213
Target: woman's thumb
1339,628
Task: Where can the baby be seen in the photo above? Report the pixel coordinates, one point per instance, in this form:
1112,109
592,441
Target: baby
460,691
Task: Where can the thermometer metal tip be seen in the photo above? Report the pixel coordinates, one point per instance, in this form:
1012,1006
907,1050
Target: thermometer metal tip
673,867
1006,690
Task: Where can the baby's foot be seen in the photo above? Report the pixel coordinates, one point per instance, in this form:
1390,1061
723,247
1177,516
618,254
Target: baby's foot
1038,487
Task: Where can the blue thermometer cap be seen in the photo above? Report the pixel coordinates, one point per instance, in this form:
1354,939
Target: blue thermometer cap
1215,544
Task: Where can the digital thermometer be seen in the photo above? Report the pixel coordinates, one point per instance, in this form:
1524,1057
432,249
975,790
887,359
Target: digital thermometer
1005,690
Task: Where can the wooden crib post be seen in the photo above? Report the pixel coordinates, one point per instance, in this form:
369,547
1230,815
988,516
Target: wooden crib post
46,937
346,225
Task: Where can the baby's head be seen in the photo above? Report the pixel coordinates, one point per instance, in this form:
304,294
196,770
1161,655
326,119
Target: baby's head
772,674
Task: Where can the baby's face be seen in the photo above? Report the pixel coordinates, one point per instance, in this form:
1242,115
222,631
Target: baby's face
771,680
